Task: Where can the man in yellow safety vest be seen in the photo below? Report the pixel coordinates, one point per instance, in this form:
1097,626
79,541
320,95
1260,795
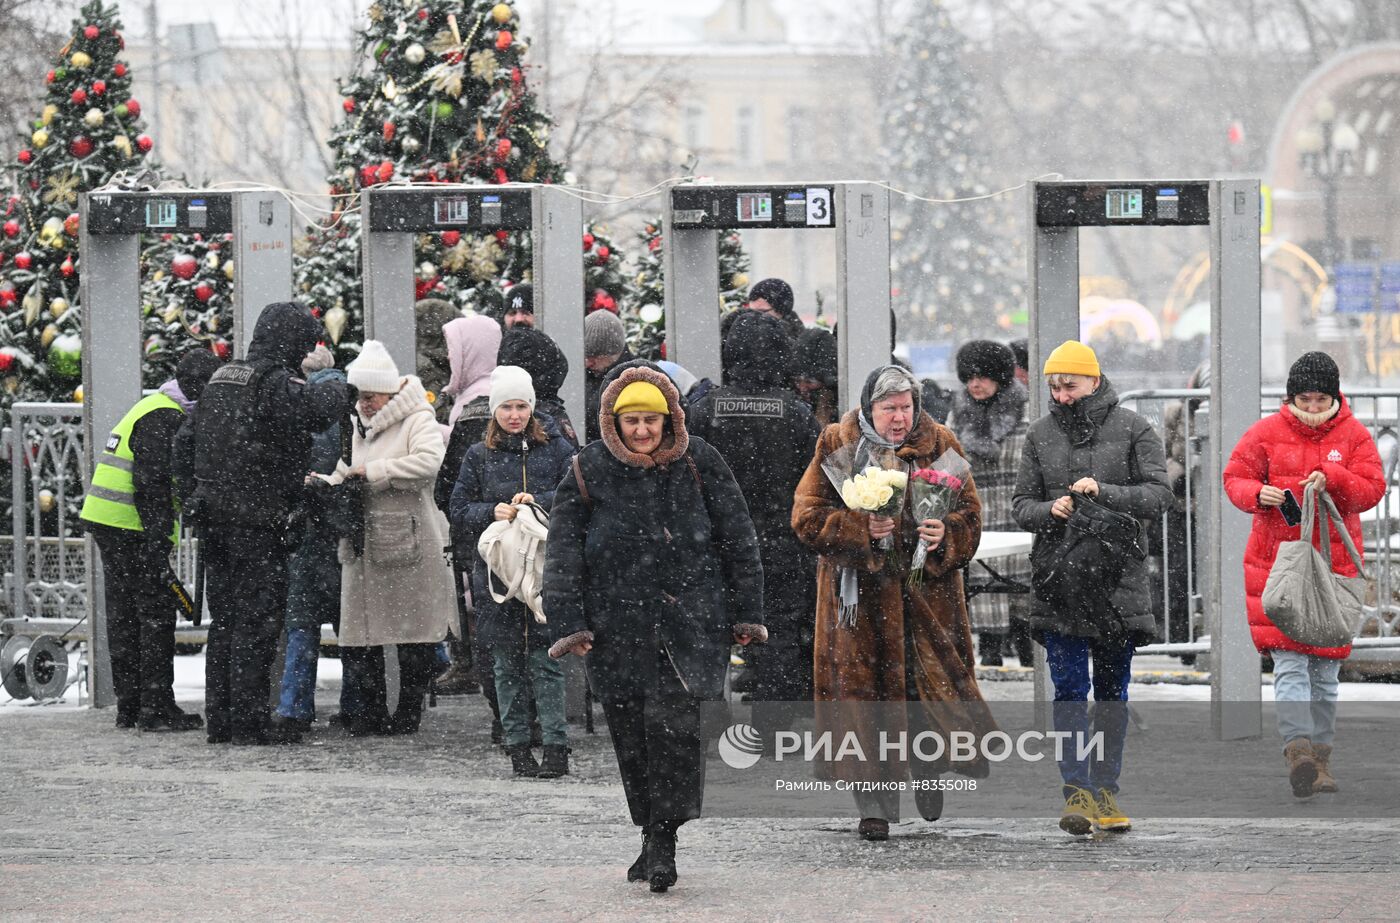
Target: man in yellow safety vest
130,510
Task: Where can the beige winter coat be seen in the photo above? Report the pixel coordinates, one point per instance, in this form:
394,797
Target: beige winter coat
400,590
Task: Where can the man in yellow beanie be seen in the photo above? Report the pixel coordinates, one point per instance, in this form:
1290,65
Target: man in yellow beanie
1089,450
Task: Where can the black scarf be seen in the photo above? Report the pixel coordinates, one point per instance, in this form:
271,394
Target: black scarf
1081,420
982,426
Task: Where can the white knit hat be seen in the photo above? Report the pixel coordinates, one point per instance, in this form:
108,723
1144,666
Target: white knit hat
374,370
511,383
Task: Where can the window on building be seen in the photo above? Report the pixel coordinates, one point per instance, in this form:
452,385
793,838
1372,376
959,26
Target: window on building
746,135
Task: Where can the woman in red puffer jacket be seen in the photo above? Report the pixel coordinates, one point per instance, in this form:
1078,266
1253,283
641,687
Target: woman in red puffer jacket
1313,439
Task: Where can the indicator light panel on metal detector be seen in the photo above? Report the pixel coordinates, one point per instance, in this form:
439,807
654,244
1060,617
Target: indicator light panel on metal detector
1122,203
426,209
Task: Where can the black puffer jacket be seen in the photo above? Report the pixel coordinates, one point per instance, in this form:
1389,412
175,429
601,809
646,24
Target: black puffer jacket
1095,438
256,416
537,353
313,570
490,476
659,557
767,435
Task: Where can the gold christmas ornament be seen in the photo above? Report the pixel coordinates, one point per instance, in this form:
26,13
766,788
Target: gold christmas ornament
46,117
390,89
62,189
740,280
39,138
93,118
81,60
213,324
531,168
48,336
228,270
51,227
211,259
171,314
46,501
78,394
11,384
158,275
58,306
502,13
335,323
123,145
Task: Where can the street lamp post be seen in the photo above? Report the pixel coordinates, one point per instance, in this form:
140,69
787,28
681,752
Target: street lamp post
1327,149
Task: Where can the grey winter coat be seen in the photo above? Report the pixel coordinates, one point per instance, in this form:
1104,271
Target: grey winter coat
1118,448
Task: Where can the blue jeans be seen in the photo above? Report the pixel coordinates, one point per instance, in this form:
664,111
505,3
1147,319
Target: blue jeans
1069,658
1305,696
516,672
299,674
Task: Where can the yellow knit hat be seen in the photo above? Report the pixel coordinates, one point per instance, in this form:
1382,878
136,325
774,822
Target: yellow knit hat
641,397
1072,358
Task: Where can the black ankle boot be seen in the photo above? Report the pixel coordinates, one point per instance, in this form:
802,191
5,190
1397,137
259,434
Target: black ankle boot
408,717
637,871
170,718
661,856
556,761
522,761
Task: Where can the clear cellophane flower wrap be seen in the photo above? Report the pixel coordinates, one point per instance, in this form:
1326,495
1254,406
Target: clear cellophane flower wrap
878,488
934,492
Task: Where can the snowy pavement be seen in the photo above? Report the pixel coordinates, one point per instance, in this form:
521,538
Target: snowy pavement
120,825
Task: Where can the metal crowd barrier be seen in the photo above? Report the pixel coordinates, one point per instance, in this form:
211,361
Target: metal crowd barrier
1378,409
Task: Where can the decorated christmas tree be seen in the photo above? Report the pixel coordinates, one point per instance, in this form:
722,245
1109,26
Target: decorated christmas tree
954,270
187,297
644,315
604,281
89,129
442,98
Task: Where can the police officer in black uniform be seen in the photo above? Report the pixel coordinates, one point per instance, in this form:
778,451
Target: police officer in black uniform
768,435
252,449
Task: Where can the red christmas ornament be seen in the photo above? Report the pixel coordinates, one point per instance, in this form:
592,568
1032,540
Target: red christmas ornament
184,266
221,349
80,147
99,87
348,105
145,143
316,312
67,268
600,298
25,156
119,69
79,96
422,287
23,260
501,178
654,244
502,236
516,76
204,291
367,173
423,13
388,131
451,238
603,254
91,32
11,228
70,225
7,359
588,241
49,77
133,108
503,147
503,39
385,171
7,297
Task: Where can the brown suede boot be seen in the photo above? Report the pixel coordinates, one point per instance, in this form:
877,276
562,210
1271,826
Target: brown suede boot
1302,767
1322,755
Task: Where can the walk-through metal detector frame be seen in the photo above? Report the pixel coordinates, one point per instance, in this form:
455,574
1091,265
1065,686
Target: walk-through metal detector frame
393,216
110,226
1230,207
859,213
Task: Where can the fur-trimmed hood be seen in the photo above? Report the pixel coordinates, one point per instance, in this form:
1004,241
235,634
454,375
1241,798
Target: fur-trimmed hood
620,377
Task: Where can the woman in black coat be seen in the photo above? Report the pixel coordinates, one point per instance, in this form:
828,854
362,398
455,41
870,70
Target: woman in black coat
653,567
519,461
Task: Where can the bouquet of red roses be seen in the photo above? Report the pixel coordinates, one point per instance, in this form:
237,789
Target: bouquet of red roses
934,492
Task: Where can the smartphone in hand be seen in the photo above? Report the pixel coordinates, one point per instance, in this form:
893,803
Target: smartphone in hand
1290,510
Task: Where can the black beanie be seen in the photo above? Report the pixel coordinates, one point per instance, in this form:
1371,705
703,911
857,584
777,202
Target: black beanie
1314,371
987,359
194,370
776,292
536,352
1022,350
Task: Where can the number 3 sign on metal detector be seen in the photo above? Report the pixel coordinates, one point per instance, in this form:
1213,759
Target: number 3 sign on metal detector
859,213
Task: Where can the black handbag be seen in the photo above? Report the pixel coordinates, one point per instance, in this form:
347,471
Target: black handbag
1082,569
